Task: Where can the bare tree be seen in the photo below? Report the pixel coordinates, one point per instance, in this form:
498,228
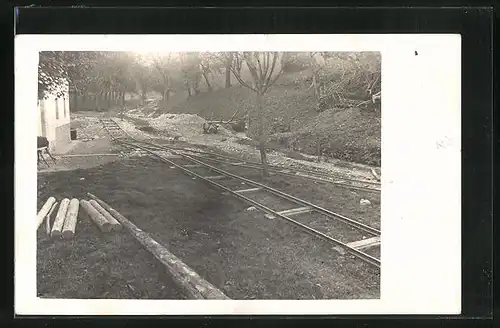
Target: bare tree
205,71
228,63
316,67
163,64
237,63
265,68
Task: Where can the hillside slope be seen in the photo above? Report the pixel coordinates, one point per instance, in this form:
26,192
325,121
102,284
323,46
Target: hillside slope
347,134
351,134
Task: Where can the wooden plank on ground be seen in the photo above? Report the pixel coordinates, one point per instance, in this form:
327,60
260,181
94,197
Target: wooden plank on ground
248,190
217,177
365,243
296,211
89,155
188,281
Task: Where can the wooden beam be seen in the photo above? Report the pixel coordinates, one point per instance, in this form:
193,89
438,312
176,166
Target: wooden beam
88,155
59,220
295,211
365,243
217,177
115,225
248,190
44,211
71,218
95,216
191,165
189,282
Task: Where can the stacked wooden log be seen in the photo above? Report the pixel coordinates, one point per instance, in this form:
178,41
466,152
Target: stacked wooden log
64,223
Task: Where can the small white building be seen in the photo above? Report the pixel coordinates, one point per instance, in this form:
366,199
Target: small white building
54,119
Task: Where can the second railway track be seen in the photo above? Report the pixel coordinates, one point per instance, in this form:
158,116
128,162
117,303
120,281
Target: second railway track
306,208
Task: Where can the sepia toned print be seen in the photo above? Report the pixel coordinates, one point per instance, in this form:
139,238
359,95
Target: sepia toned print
209,175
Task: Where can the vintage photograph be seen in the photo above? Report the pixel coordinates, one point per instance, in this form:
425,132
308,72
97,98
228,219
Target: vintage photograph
231,175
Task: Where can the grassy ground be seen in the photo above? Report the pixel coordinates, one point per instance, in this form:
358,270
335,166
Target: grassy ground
334,198
93,264
245,254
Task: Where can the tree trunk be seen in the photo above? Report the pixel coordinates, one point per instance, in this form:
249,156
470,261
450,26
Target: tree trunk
318,148
143,97
317,92
164,98
97,103
75,102
188,88
228,77
262,137
123,98
209,86
109,98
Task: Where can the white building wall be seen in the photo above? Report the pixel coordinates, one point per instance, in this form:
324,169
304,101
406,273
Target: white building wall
54,119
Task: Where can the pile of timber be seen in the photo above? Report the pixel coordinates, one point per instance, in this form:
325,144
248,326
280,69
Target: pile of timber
64,223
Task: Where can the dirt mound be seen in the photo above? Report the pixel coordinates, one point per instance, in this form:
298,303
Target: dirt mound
187,126
295,106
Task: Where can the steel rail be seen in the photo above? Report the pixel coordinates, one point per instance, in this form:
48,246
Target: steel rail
363,256
372,231
319,176
289,174
276,167
255,167
326,212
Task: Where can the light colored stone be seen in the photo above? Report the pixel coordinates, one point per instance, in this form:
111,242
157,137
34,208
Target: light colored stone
364,202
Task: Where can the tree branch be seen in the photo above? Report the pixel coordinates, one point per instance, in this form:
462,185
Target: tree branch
243,83
259,72
268,78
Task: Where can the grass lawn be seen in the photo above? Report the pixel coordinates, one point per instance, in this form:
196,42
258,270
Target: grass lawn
241,252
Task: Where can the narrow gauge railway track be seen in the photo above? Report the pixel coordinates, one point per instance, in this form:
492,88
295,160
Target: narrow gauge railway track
347,183
126,140
278,167
354,184
362,185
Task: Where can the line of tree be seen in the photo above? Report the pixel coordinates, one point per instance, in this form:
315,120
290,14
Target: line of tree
106,77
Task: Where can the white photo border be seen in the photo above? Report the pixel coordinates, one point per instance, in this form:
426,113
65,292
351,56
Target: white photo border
421,173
